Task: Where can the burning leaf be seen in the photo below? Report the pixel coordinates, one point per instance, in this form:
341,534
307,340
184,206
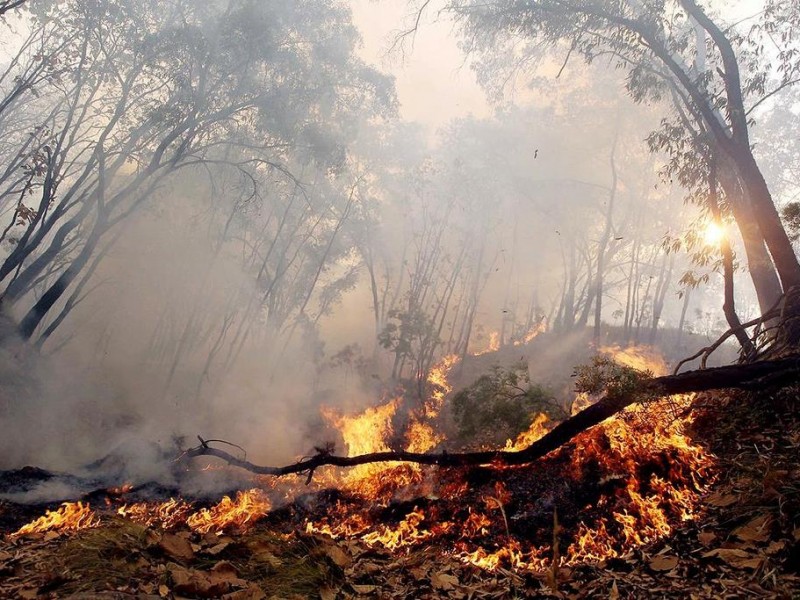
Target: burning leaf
757,530
736,558
663,563
167,515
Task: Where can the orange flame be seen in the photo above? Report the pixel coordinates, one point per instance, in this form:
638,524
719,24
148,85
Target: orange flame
642,358
540,327
437,378
167,515
494,344
537,430
71,516
245,509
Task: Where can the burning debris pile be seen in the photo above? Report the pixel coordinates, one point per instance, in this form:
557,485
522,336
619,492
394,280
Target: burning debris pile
618,486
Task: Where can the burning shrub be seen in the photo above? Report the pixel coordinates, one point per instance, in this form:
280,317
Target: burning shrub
500,406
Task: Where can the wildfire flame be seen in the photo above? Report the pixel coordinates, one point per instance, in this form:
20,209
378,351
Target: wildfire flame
646,472
538,429
494,344
540,327
71,516
640,508
245,509
642,358
167,515
437,379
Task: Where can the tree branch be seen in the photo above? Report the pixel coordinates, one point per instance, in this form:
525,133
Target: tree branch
747,376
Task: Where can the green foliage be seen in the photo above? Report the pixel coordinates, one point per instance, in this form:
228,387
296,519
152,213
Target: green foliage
604,376
501,405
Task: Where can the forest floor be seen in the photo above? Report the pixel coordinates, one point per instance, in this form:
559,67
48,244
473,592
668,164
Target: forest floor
744,542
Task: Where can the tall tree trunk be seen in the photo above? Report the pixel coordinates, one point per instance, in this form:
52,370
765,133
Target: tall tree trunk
759,264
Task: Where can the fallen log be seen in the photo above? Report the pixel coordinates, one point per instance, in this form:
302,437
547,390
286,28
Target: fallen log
744,376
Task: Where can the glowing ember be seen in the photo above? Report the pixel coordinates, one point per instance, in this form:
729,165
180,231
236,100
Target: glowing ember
247,508
71,516
166,515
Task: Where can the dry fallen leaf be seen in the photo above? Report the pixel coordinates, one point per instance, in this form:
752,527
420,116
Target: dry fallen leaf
443,581
663,563
721,500
217,548
706,537
736,558
614,593
177,548
339,557
225,570
253,592
363,589
776,546
756,530
327,593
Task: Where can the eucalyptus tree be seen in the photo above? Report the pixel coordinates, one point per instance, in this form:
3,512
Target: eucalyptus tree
713,73
155,88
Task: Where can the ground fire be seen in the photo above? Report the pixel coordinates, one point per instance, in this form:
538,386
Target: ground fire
623,484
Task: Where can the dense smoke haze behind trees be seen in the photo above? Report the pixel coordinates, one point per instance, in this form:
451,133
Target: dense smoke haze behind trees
215,212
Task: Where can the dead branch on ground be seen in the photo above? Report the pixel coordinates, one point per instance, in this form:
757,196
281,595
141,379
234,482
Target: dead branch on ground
742,376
